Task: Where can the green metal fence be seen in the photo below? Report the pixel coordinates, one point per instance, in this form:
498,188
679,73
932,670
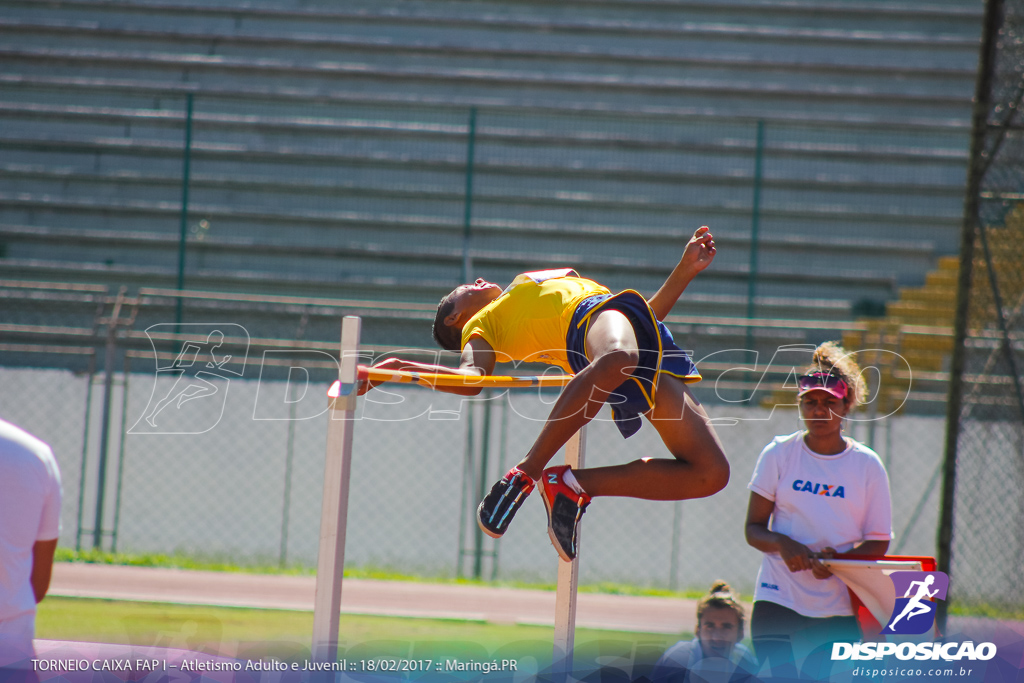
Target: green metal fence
979,542
235,475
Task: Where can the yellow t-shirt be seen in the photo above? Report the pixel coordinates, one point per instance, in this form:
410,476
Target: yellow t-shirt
529,321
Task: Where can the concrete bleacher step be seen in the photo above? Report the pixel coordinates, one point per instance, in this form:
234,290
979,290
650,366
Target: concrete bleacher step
609,190
934,303
345,201
780,193
846,26
154,246
942,278
397,52
626,181
365,259
924,363
51,324
935,145
940,343
918,326
771,18
911,345
521,46
748,97
31,307
297,323
928,296
28,304
890,45
825,175
723,312
501,133
916,314
604,128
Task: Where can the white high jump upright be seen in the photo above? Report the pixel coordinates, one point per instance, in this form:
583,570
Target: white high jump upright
568,578
334,515
334,508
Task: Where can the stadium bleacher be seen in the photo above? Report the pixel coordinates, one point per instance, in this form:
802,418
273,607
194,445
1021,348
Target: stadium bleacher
329,147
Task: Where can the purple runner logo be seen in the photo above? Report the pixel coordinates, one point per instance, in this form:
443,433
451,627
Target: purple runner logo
914,613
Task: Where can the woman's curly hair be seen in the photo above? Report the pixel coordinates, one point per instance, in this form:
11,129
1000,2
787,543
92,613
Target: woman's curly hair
833,359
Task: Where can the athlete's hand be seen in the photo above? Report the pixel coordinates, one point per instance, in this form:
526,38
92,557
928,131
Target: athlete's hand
700,250
388,364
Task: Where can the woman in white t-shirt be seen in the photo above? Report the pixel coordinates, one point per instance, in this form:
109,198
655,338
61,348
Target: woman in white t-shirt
30,498
814,493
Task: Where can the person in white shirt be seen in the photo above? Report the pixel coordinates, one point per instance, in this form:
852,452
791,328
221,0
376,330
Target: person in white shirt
715,654
30,498
813,494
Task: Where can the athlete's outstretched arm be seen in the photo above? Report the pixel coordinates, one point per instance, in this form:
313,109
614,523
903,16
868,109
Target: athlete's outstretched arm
477,361
698,255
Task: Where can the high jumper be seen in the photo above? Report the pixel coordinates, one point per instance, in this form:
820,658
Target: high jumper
621,353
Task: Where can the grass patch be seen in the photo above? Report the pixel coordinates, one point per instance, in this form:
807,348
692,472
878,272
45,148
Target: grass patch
175,561
1001,612
214,563
255,633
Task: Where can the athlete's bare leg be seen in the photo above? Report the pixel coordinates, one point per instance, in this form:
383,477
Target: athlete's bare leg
611,345
698,469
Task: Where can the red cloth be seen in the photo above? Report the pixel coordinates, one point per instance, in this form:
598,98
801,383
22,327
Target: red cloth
869,626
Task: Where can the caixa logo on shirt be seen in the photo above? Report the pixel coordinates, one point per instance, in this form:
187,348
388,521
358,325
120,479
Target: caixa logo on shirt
828,490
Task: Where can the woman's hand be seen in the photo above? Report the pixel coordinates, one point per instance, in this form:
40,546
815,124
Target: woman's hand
819,570
796,555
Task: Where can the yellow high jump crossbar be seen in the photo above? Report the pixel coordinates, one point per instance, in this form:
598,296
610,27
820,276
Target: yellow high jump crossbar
342,402
445,380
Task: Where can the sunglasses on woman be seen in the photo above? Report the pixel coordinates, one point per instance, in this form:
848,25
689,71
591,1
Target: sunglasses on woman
814,381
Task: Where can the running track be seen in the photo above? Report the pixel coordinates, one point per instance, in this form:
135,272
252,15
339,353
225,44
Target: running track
364,596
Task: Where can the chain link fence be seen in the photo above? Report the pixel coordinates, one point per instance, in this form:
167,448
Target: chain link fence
314,197
982,544
227,467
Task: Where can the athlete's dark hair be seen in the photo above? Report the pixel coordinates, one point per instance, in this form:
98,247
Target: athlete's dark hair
721,596
446,336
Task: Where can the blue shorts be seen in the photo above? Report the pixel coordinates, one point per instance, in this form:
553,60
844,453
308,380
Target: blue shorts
658,353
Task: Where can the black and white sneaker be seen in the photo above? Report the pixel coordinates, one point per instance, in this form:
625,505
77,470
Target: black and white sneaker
565,507
498,507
